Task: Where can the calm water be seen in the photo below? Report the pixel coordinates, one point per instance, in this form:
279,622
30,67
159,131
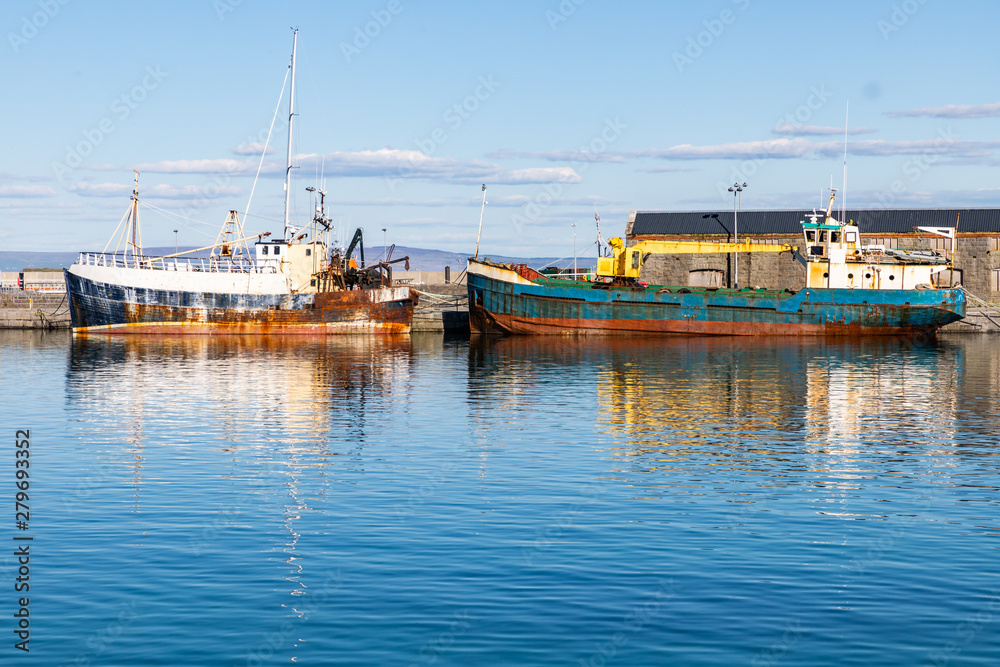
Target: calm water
345,501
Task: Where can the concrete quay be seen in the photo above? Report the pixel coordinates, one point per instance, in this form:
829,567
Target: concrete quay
977,320
34,310
441,309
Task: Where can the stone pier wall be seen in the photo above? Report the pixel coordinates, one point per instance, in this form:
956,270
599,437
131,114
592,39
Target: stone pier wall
34,310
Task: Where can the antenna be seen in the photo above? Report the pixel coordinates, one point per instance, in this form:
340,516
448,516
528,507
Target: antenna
843,195
291,116
597,223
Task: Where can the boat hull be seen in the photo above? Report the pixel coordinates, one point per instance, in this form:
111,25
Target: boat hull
119,305
503,301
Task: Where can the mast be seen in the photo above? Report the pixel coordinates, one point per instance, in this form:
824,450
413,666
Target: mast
136,241
291,115
480,232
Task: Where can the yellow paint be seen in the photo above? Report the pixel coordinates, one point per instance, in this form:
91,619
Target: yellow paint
627,262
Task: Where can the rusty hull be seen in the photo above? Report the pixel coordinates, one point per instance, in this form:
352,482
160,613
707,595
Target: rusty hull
102,308
504,300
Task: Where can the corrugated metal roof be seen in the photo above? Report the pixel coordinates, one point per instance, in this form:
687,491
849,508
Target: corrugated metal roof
789,223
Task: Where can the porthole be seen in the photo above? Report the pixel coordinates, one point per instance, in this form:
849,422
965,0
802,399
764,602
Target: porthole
868,275
850,276
826,275
892,277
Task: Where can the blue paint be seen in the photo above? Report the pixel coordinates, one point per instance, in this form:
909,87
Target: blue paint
574,300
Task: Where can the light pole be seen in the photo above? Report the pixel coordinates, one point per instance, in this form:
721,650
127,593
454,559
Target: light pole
384,258
175,241
574,250
737,189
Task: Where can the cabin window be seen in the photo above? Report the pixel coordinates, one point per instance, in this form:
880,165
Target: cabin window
277,250
822,237
947,278
312,283
635,260
851,237
811,236
835,237
308,252
263,250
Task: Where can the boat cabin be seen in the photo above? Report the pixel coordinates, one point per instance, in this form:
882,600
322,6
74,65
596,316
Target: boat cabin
836,258
299,261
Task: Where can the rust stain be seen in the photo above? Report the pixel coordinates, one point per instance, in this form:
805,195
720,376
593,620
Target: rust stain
331,313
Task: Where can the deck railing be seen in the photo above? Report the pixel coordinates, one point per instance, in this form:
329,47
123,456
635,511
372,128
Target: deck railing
198,264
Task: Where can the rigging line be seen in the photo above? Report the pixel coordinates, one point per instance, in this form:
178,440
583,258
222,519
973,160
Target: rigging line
578,254
261,217
267,141
179,217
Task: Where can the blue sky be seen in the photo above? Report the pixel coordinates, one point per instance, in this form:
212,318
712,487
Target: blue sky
560,108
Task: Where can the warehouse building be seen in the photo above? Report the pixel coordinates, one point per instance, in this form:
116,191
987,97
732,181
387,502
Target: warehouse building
977,257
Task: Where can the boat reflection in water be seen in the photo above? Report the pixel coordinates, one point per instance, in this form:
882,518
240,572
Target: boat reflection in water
675,412
303,385
273,407
770,413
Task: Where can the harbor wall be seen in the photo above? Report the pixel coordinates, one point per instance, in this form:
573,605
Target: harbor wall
34,310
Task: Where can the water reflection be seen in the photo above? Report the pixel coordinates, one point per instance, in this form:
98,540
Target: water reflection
274,408
781,411
243,385
671,412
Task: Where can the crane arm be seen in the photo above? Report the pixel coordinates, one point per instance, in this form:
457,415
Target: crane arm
356,241
626,262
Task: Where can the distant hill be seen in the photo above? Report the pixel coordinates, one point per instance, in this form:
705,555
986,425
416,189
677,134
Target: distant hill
20,260
421,259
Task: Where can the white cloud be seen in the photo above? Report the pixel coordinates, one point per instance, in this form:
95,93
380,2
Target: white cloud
952,111
777,148
407,164
538,175
382,163
7,178
800,130
939,146
662,170
218,166
804,148
85,189
559,156
255,148
26,191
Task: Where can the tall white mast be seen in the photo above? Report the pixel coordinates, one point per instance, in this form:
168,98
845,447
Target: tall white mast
291,115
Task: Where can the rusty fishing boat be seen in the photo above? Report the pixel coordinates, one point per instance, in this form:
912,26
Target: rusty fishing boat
851,289
297,284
